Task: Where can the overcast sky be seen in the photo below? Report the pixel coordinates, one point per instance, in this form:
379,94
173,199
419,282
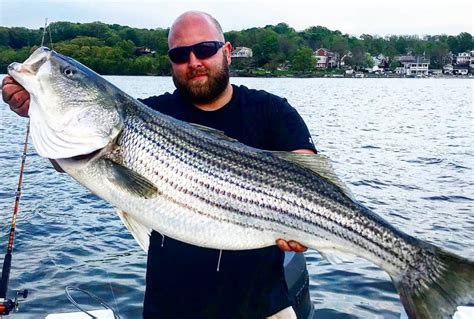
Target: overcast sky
355,17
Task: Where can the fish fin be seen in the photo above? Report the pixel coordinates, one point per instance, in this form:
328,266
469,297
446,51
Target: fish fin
448,284
336,257
130,181
318,164
215,133
140,232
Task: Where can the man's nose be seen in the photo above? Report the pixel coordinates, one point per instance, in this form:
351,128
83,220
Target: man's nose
193,60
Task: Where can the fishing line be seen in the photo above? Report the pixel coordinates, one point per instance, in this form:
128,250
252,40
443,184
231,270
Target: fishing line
47,26
115,310
92,296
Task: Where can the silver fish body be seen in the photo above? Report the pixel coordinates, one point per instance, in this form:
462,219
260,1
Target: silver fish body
194,184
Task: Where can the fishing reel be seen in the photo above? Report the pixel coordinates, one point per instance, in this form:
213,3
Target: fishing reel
7,305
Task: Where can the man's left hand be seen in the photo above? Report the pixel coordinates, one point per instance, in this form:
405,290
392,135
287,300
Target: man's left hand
291,245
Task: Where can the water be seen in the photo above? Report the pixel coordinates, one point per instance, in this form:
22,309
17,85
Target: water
403,146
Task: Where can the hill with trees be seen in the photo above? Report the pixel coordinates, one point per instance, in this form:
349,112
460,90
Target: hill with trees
122,50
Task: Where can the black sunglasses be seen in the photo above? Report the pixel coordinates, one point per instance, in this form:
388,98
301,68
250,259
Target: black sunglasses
202,50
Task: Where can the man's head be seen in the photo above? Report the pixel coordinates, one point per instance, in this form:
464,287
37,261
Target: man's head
197,72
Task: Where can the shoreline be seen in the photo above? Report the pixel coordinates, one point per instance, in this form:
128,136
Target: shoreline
340,76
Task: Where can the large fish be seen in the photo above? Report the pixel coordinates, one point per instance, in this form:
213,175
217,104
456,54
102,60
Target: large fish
195,184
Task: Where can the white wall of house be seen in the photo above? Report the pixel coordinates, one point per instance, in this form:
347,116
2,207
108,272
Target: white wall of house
417,68
321,61
461,71
463,58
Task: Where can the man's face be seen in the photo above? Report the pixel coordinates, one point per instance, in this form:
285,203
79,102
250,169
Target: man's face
202,80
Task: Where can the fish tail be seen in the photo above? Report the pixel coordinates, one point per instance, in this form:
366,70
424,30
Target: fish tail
436,285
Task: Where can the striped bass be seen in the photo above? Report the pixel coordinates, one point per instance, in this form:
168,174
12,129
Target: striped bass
199,186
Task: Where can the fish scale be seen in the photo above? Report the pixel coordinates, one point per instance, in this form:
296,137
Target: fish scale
277,214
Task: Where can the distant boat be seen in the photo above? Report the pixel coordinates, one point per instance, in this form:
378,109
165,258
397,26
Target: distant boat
359,75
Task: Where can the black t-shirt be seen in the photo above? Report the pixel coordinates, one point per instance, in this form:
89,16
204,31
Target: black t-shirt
182,280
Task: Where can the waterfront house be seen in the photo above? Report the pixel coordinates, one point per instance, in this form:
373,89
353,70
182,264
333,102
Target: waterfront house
463,58
380,62
326,59
400,70
460,70
242,52
414,65
448,69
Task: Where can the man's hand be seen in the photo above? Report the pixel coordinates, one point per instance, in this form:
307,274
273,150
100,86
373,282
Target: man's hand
15,96
290,245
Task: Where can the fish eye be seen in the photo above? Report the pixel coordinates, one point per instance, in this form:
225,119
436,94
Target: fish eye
69,72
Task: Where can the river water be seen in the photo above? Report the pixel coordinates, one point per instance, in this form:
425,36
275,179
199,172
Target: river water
403,146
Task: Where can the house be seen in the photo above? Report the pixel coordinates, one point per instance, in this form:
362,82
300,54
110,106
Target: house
326,59
399,70
448,69
242,52
380,62
463,58
414,65
143,51
460,69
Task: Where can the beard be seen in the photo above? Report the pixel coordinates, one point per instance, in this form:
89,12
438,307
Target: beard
208,91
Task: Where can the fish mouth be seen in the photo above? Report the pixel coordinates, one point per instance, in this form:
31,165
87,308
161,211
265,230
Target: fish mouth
31,65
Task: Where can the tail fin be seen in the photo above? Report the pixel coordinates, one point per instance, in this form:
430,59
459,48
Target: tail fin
441,283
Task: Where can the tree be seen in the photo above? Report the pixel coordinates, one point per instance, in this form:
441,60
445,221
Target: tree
303,60
316,37
453,44
465,42
340,46
439,56
394,64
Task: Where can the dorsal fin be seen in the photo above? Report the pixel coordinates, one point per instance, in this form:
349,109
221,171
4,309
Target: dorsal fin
318,164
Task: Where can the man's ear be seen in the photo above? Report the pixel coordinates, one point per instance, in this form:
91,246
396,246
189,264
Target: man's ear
228,51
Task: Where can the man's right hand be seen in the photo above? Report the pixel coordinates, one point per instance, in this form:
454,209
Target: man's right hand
15,96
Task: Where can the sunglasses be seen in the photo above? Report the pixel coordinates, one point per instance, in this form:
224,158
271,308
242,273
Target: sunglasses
202,50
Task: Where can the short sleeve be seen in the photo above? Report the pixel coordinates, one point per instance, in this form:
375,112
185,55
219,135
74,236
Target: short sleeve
286,129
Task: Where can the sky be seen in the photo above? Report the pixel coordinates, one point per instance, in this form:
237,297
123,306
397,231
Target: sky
354,17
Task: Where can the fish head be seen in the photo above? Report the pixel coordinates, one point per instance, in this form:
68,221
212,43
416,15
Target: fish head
73,110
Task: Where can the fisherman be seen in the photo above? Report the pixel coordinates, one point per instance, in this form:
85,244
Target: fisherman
182,280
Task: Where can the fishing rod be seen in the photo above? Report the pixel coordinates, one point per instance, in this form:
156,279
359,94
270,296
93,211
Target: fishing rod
7,305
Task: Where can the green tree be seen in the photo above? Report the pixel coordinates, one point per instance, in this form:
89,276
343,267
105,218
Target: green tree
439,56
316,37
465,42
303,60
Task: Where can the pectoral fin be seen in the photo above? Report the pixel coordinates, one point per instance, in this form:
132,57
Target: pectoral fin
130,181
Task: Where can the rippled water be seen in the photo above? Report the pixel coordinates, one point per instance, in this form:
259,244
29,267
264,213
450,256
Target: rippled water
404,147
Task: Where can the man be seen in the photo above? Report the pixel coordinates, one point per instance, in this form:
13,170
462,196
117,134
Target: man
183,280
